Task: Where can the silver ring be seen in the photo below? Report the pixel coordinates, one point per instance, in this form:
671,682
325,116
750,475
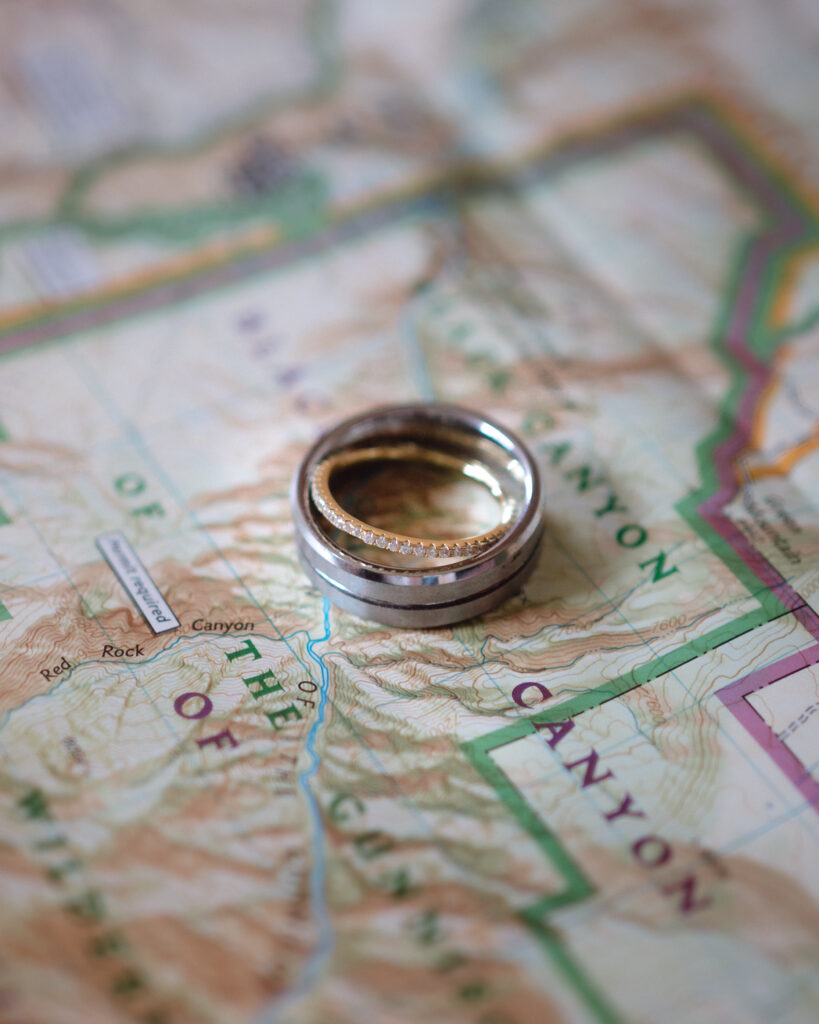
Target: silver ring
436,594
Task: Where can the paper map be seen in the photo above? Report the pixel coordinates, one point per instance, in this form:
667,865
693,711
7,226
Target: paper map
224,228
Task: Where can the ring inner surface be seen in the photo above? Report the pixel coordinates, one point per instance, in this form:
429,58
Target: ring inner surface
412,496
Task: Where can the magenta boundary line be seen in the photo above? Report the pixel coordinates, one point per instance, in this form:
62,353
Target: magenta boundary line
735,698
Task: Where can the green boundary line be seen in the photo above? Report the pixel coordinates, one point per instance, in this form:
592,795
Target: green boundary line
409,211
309,190
617,687
807,323
297,207
765,160
571,970
688,507
763,343
320,29
577,886
306,194
766,339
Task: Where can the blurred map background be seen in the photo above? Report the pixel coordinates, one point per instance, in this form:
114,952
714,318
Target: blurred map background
224,226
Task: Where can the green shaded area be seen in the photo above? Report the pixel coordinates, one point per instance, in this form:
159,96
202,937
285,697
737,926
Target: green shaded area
4,613
298,207
5,518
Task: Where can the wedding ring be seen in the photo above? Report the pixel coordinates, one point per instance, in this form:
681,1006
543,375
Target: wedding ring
459,576
401,543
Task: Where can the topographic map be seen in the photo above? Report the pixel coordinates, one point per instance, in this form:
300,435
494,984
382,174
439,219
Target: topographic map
225,226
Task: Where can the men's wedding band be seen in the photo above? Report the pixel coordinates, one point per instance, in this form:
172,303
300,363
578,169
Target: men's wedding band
459,577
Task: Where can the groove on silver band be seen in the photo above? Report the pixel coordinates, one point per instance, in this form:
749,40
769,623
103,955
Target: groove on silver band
433,595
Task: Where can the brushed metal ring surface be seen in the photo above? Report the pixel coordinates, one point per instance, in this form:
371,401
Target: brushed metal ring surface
434,595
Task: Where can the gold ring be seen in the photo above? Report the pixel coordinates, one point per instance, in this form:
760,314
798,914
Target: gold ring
398,542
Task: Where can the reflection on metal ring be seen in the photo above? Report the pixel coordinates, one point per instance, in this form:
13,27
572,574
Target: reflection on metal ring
460,578
401,543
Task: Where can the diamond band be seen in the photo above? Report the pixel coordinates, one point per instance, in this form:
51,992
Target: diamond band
399,543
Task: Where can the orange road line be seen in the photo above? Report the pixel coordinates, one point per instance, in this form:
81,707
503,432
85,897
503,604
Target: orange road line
738,119
178,266
785,463
790,279
781,309
757,434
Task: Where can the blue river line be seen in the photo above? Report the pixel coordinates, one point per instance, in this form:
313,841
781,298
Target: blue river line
326,940
324,947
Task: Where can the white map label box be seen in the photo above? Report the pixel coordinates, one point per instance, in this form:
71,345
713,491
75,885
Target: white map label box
132,574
